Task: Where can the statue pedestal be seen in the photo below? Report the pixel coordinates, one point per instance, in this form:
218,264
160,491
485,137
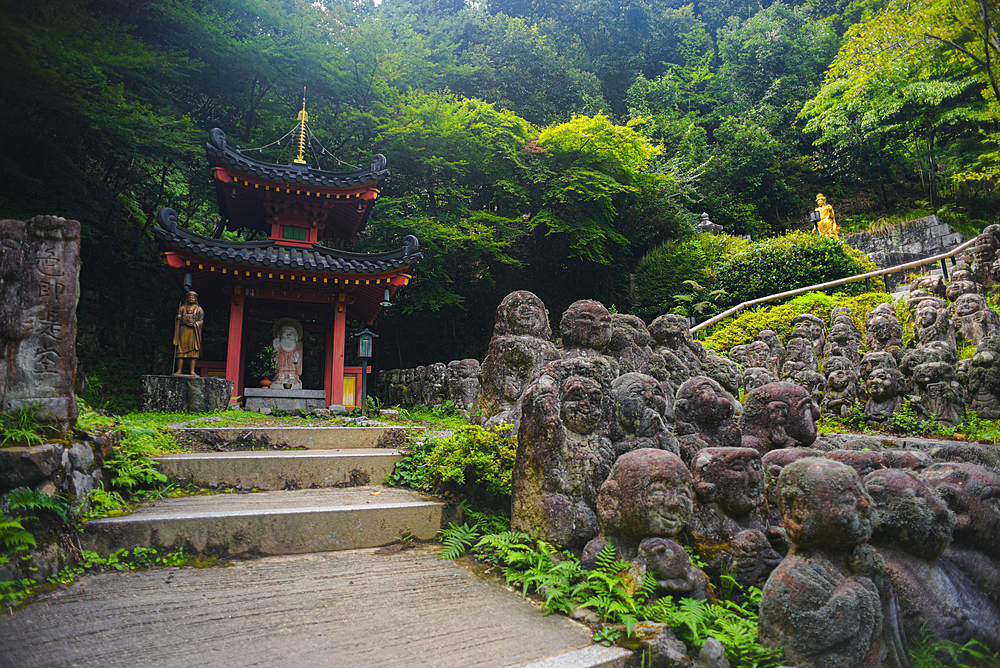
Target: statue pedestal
281,399
185,394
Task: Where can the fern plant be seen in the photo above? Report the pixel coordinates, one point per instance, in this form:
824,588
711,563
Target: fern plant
20,425
457,539
24,498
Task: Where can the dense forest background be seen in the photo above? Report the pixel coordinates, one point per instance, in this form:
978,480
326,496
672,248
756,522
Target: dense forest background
550,146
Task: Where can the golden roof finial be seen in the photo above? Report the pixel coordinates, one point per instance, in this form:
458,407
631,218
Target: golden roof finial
303,117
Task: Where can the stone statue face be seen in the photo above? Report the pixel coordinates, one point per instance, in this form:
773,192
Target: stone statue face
802,415
701,401
668,505
670,329
732,477
926,316
883,384
911,515
580,404
881,329
586,324
524,314
932,372
969,304
840,379
288,338
973,494
824,505
640,404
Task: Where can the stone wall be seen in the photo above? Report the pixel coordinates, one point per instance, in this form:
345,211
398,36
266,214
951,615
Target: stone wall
913,240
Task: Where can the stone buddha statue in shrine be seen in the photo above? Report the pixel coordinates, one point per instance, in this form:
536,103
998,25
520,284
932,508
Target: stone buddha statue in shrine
287,354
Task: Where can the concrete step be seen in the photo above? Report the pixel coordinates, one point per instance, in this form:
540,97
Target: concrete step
282,469
322,438
271,523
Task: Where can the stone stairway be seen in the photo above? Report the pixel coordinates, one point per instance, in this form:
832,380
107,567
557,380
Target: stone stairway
292,501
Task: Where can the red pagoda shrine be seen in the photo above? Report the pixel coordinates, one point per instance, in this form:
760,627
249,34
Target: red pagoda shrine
290,274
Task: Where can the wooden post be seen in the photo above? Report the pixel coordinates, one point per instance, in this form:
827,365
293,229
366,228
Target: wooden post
234,351
339,346
328,365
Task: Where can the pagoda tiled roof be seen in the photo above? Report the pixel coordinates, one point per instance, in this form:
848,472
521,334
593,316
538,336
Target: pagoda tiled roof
221,153
266,253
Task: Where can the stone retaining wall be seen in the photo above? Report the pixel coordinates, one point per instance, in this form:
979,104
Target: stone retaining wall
913,240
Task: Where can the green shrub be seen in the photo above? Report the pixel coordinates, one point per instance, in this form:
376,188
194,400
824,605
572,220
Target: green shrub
793,261
475,462
743,327
661,273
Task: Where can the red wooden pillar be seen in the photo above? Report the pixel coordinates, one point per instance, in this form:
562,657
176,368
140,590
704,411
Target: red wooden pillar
339,345
328,366
234,351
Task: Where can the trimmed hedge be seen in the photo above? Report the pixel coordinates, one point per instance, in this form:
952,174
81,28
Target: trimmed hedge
793,261
662,271
743,328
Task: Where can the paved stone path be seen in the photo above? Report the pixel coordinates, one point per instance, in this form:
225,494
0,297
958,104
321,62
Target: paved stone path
358,608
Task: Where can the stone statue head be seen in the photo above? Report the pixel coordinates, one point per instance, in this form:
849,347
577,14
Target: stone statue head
703,402
640,404
823,505
876,360
884,384
731,477
973,493
287,334
627,330
839,372
522,313
862,461
670,330
586,324
581,402
647,493
755,377
933,372
779,415
910,513
969,304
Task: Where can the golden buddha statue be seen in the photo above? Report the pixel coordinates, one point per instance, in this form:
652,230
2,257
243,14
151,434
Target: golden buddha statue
827,223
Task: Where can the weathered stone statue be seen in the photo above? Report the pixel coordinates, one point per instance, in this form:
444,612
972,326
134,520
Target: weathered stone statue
705,225
974,320
807,326
932,323
841,387
754,377
287,346
801,367
672,334
843,341
630,343
644,414
827,604
779,415
564,452
187,333
913,531
585,328
931,284
518,350
938,396
985,253
729,526
463,382
766,352
886,391
827,222
726,373
963,282
885,334
971,492
644,503
862,461
704,412
877,360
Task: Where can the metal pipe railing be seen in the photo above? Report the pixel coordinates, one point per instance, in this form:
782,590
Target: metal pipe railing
832,284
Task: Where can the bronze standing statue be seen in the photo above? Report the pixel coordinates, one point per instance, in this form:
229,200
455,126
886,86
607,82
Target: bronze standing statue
187,333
